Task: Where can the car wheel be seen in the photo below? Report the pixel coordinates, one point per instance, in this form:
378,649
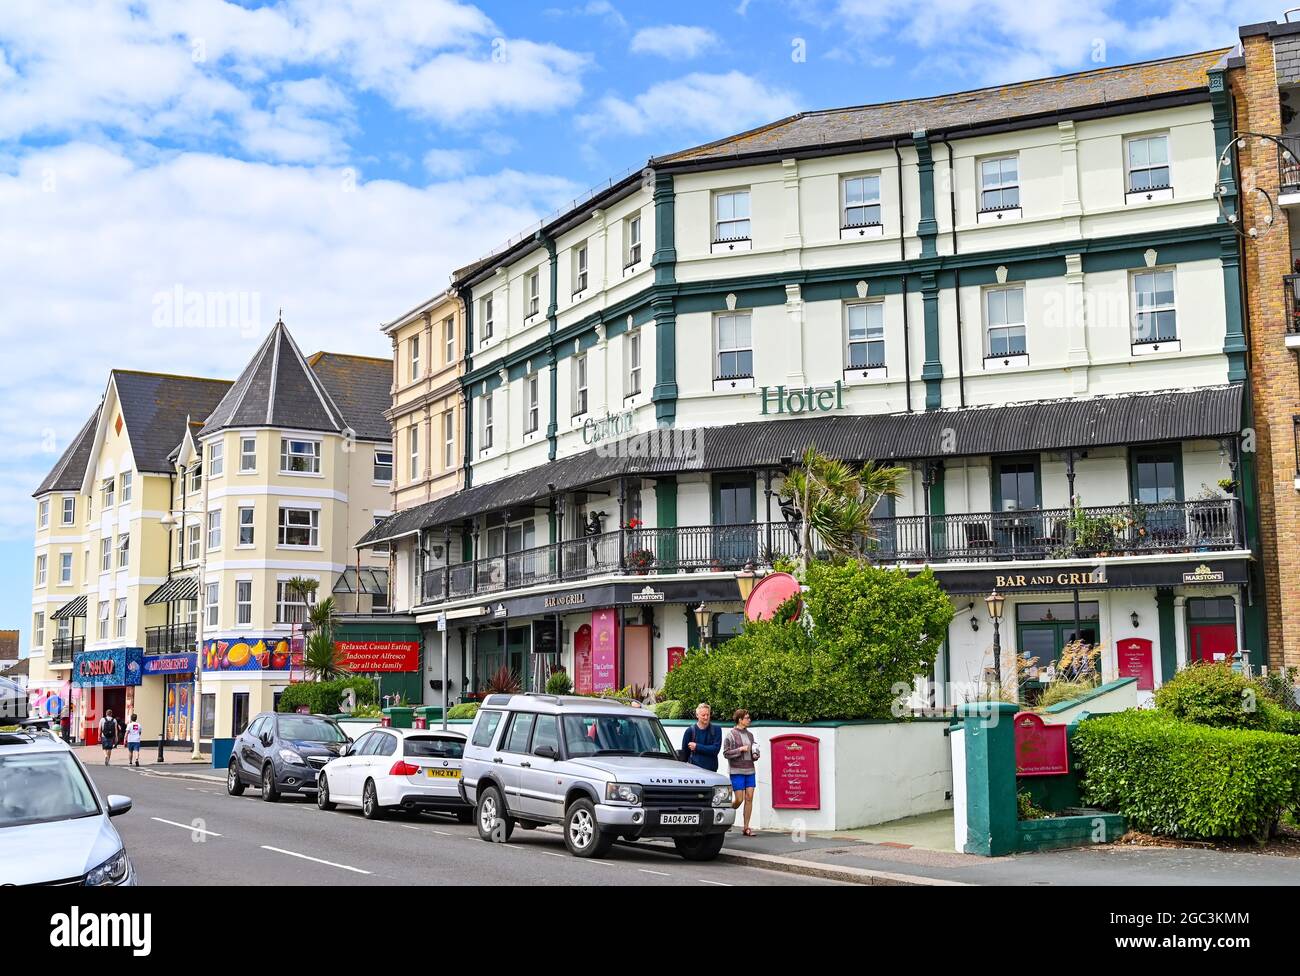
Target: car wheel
323,794
465,816
493,824
582,834
370,807
699,848
234,785
269,793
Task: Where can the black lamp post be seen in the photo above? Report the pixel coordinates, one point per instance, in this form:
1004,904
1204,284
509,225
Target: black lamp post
994,601
703,617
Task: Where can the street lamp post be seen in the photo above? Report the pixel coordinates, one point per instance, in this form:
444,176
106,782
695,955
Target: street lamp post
745,581
995,601
703,616
169,519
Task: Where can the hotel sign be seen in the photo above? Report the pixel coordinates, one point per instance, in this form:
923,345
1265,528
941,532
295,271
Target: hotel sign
613,425
808,399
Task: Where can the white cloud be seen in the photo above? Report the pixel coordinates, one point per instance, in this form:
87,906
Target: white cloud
697,104
448,162
673,41
92,238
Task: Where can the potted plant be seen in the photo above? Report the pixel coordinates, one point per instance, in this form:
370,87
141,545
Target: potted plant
640,561
1228,486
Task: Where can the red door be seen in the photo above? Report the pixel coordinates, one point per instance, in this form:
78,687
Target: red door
1213,642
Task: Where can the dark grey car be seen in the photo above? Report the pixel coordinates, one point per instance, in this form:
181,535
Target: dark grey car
282,752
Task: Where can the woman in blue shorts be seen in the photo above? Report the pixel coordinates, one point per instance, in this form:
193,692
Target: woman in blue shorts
741,752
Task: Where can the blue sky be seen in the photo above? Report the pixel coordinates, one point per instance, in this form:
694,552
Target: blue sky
339,158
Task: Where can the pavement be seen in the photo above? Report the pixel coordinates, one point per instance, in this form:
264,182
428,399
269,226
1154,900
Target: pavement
172,796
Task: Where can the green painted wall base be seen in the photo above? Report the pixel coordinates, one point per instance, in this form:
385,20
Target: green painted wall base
1053,833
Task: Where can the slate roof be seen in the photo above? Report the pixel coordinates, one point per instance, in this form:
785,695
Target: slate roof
360,386
69,471
277,389
155,408
964,110
1040,425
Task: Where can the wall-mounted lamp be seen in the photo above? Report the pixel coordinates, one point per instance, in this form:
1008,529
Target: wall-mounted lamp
974,623
1133,615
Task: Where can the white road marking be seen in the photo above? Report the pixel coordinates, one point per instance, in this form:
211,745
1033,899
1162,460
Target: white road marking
720,884
345,867
191,829
552,854
442,833
662,874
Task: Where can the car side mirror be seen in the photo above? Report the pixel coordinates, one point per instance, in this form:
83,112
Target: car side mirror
266,738
546,752
346,750
118,805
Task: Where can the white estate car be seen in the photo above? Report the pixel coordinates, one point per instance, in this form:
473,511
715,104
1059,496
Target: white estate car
403,769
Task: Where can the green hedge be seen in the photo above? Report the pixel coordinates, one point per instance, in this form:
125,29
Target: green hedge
326,697
1212,694
670,709
1185,780
463,710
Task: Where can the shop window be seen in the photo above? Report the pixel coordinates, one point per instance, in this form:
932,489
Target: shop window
207,716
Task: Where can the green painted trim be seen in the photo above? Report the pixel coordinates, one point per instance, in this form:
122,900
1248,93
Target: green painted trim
664,259
467,460
1221,113
932,369
664,394
927,228
991,810
666,518
1234,339
1165,626
1097,692
938,509
1053,833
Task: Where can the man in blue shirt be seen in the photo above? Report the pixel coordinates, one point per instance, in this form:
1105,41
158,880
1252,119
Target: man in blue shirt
703,740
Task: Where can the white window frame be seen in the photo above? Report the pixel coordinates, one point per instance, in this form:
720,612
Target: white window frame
448,440
291,453
212,604
193,541
735,379
413,345
413,470
282,603
119,627
247,458
65,568
213,529
43,514
243,603
196,477
865,198
41,569
581,267
105,611
581,386
1007,329
379,465
245,520
1002,186
449,338
486,422
124,550
872,334
532,403
732,216
106,554
534,287
108,492
1149,191
283,527
632,240
1143,345
487,311
632,363
38,629
216,459
69,510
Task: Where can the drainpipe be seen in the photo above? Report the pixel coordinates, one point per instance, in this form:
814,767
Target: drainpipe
956,273
902,247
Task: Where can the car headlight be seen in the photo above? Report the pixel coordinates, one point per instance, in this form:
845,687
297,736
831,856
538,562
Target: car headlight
623,793
722,796
111,872
289,756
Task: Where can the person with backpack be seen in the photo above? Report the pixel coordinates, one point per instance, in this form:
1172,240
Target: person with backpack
702,742
134,732
109,731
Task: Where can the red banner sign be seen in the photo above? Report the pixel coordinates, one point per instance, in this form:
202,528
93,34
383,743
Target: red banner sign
675,655
1134,659
1041,749
386,656
604,650
796,772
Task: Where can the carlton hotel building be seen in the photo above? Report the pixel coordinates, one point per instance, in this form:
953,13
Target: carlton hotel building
1028,297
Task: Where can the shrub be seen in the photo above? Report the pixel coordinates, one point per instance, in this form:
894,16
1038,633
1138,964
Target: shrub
873,631
326,697
1186,780
503,682
463,710
1062,690
670,708
559,683
1211,694
1027,809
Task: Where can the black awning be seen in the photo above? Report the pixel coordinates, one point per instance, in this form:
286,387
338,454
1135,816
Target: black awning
174,591
372,581
1040,425
75,608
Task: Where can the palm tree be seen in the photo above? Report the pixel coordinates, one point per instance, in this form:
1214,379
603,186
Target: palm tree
835,500
304,589
321,656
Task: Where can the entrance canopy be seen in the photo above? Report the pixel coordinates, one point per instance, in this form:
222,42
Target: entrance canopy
75,608
174,591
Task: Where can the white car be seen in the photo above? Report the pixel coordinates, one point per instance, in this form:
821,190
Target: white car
397,769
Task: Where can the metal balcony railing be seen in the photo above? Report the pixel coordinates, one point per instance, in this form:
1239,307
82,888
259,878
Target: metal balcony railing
169,639
1288,163
1112,530
1291,296
65,647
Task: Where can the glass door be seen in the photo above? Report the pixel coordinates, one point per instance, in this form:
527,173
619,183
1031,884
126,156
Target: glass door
1016,498
735,534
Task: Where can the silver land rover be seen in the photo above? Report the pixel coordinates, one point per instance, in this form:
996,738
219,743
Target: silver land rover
600,769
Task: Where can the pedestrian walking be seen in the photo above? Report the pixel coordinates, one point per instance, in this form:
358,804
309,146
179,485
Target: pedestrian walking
741,752
109,731
134,732
702,741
